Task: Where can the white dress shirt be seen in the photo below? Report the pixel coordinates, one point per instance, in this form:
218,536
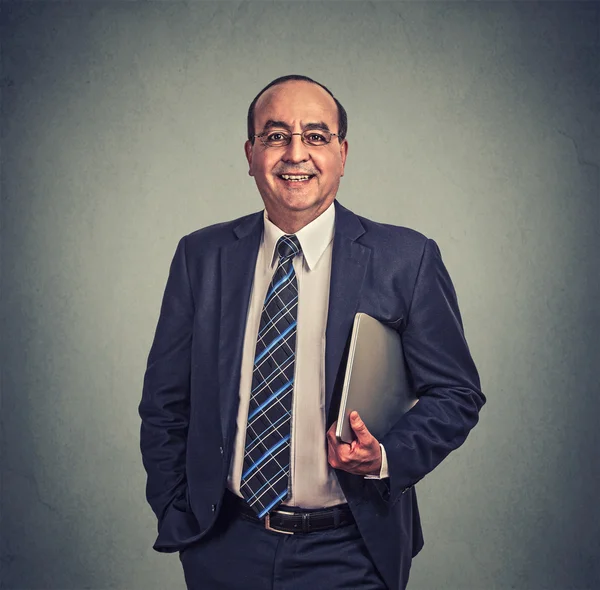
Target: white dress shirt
313,481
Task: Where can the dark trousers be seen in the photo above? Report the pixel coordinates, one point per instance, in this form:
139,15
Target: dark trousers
241,554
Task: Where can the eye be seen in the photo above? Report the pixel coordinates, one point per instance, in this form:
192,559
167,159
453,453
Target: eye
316,137
276,136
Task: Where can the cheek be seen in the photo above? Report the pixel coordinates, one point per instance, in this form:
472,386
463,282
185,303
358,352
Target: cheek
330,166
262,166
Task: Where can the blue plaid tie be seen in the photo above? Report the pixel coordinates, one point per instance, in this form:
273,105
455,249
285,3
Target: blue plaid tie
265,475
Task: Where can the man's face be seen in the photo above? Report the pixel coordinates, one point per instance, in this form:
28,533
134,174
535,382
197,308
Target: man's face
293,107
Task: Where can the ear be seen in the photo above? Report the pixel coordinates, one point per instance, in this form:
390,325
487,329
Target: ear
343,154
248,149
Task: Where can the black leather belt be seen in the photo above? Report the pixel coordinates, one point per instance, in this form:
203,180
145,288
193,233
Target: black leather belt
296,520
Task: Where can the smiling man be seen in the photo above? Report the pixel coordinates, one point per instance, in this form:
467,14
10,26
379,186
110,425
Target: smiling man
245,474
296,165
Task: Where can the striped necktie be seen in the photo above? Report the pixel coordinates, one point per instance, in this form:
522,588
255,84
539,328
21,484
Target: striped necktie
265,475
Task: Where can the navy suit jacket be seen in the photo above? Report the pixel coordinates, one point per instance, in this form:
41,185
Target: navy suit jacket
191,386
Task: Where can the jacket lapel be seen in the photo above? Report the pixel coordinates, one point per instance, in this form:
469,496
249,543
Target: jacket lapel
238,260
349,264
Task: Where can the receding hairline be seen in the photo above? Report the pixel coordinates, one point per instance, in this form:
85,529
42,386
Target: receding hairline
342,118
267,92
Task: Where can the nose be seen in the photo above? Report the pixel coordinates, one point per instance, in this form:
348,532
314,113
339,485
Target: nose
296,151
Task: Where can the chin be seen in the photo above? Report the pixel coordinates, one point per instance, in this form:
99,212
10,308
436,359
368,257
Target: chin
291,203
301,207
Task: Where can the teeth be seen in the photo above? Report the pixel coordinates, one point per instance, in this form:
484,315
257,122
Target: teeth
294,177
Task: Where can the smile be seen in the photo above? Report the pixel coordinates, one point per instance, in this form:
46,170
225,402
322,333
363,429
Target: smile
295,177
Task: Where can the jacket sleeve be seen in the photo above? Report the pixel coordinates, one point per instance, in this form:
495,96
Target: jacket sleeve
443,374
165,405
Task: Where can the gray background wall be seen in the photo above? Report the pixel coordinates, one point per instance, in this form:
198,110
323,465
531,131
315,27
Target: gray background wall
122,129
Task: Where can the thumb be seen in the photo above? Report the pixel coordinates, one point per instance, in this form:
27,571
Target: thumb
359,427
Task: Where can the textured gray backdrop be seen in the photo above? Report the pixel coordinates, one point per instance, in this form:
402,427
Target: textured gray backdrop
122,130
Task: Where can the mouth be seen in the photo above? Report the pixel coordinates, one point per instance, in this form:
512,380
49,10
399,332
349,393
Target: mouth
295,178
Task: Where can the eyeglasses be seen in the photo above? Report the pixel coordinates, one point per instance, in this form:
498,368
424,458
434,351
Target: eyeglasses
313,137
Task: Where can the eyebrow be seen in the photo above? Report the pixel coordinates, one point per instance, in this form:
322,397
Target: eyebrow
271,123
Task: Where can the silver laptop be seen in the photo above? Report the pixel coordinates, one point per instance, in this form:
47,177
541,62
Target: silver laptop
376,383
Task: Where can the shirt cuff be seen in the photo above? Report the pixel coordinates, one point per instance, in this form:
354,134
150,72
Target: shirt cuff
383,472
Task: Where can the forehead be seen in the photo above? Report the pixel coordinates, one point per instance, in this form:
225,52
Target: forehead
296,102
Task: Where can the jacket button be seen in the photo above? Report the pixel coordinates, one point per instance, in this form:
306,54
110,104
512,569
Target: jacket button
213,507
221,450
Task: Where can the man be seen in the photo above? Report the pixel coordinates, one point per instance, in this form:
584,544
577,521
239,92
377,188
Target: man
240,397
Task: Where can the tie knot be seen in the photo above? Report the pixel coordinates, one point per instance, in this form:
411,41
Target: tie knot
288,246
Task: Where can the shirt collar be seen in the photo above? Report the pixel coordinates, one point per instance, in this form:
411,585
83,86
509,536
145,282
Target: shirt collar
314,237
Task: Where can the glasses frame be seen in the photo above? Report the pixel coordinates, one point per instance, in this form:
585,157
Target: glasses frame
261,135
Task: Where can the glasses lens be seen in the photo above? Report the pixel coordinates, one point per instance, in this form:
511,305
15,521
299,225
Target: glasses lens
316,137
280,138
276,138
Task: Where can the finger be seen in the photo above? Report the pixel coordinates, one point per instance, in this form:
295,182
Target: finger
332,454
360,429
332,442
341,449
331,433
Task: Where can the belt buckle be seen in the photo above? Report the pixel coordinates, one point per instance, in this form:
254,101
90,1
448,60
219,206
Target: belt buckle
270,528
